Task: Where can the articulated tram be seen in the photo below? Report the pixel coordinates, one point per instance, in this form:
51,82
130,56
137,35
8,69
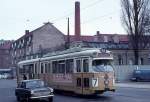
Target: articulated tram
83,71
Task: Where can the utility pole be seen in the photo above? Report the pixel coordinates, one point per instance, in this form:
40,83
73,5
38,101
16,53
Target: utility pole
68,35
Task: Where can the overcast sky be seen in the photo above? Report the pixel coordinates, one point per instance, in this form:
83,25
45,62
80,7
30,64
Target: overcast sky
18,15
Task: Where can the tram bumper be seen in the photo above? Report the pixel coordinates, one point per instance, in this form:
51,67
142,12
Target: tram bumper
108,89
102,91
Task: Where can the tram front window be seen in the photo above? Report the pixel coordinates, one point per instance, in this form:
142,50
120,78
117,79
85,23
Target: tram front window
103,65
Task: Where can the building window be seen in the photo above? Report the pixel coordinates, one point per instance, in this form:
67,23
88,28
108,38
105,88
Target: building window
15,53
15,44
141,61
20,52
120,60
12,46
130,62
12,62
29,49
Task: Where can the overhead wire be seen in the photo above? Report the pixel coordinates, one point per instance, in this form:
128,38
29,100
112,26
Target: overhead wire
90,20
71,13
99,17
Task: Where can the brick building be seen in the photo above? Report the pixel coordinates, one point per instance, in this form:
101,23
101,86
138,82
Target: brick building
48,38
117,43
5,58
34,44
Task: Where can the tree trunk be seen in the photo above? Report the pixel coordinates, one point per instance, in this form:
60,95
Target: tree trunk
136,56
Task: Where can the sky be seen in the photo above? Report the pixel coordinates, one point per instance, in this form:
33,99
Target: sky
16,16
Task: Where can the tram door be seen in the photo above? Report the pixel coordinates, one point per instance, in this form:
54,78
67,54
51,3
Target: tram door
78,77
31,71
82,76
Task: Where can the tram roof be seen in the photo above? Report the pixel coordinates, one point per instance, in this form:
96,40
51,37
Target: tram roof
5,69
28,61
73,52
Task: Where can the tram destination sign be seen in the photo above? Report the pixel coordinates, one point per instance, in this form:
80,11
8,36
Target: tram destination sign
104,55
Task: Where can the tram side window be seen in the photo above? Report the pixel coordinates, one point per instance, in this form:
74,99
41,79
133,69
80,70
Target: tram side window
31,68
54,66
78,65
31,71
86,65
35,67
86,82
78,82
69,66
22,70
42,68
49,67
61,66
46,67
25,69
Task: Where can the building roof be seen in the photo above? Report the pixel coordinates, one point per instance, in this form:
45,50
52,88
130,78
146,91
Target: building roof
88,38
31,32
6,44
100,37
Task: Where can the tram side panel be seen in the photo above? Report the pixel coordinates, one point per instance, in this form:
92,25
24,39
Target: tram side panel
89,83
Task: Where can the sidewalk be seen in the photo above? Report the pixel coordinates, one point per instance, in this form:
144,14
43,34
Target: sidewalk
145,85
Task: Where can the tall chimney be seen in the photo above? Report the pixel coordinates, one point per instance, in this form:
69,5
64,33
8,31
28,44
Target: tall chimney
77,21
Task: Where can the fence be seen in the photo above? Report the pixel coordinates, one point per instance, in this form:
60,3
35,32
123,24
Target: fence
124,72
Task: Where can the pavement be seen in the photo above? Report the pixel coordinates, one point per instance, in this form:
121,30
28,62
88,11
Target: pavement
123,93
145,85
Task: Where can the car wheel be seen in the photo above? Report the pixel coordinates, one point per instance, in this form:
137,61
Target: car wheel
28,99
18,98
137,79
50,99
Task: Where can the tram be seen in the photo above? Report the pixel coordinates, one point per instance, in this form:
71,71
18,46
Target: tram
83,71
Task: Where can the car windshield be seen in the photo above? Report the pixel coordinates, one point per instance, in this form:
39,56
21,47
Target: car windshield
35,84
102,65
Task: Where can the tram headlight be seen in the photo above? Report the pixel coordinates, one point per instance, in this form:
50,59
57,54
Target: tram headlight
51,90
95,82
106,82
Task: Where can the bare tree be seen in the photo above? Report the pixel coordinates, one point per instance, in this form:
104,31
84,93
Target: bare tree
136,21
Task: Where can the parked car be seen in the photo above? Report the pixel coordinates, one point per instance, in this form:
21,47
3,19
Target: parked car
141,75
28,90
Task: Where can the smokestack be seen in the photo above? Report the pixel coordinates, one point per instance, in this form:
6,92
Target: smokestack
77,21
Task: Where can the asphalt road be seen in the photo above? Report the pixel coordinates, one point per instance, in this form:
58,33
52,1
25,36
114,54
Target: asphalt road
123,94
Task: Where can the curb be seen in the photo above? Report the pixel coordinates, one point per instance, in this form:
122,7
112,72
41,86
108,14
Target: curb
145,86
